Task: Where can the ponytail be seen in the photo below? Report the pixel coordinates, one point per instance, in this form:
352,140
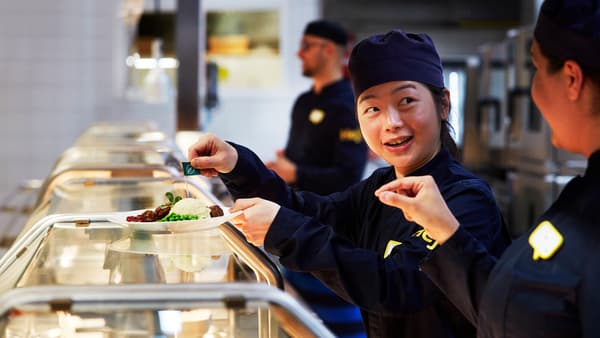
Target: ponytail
446,130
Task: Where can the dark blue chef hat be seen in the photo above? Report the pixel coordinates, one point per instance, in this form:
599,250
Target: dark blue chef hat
570,29
394,56
327,30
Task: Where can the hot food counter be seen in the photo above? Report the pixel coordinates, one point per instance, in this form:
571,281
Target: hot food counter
80,268
213,272
201,310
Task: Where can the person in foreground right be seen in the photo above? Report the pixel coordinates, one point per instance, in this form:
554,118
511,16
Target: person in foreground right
547,283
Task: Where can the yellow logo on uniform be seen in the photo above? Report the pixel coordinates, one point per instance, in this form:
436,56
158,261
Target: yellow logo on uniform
353,135
316,116
389,247
425,236
545,240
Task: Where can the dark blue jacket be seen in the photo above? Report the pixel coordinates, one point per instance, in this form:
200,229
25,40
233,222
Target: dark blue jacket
368,252
324,140
518,296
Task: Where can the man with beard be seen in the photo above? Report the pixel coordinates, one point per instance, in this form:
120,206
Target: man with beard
325,152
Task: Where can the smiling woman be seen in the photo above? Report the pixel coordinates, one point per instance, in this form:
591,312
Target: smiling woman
401,123
366,251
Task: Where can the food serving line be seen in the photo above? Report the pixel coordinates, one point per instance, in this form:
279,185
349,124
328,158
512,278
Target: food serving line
79,267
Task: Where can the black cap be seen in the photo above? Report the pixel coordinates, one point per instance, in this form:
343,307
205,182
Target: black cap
327,30
394,56
570,30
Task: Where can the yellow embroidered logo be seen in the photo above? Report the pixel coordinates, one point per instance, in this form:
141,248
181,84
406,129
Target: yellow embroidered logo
353,135
389,247
316,116
545,240
423,234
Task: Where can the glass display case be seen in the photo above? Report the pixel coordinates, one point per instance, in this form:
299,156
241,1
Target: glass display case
200,310
94,163
80,268
92,173
99,194
122,133
93,249
143,154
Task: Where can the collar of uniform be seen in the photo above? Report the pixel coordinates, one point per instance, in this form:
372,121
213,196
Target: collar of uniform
438,162
333,86
593,165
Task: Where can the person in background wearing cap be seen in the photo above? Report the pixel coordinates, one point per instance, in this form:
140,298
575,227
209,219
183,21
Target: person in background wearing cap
368,252
325,153
547,283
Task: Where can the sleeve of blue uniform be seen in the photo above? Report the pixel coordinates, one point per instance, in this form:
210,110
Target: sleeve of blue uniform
251,178
361,276
461,266
374,283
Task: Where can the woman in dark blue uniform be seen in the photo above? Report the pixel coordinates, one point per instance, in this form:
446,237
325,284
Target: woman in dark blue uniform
366,251
547,283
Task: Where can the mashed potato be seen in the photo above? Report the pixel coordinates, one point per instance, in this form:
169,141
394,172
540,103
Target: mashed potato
191,206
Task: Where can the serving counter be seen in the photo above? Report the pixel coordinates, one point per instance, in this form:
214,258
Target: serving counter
82,274
80,268
183,310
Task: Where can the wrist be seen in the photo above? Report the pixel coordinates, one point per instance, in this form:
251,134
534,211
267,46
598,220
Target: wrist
446,232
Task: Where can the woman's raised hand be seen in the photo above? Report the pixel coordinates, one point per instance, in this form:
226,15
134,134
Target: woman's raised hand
211,155
421,202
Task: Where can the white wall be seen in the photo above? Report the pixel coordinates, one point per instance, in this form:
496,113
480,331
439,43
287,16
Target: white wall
259,119
62,68
55,63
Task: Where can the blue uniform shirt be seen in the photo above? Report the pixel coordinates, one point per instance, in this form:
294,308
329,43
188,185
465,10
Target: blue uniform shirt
325,141
518,296
368,252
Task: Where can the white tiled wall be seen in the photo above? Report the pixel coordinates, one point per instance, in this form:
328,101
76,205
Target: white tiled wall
62,68
56,67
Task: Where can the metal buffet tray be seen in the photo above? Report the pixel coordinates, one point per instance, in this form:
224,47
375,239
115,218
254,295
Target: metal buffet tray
201,310
122,133
140,154
95,172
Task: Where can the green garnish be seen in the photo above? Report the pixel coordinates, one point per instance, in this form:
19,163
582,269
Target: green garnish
173,217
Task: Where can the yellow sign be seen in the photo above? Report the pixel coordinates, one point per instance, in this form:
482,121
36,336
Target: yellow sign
316,116
545,241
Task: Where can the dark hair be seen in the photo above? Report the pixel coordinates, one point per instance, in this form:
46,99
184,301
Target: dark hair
446,129
555,64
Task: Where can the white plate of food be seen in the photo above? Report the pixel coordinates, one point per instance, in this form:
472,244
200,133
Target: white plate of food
172,226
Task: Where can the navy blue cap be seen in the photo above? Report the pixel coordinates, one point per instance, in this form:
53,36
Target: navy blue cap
570,30
327,30
394,56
